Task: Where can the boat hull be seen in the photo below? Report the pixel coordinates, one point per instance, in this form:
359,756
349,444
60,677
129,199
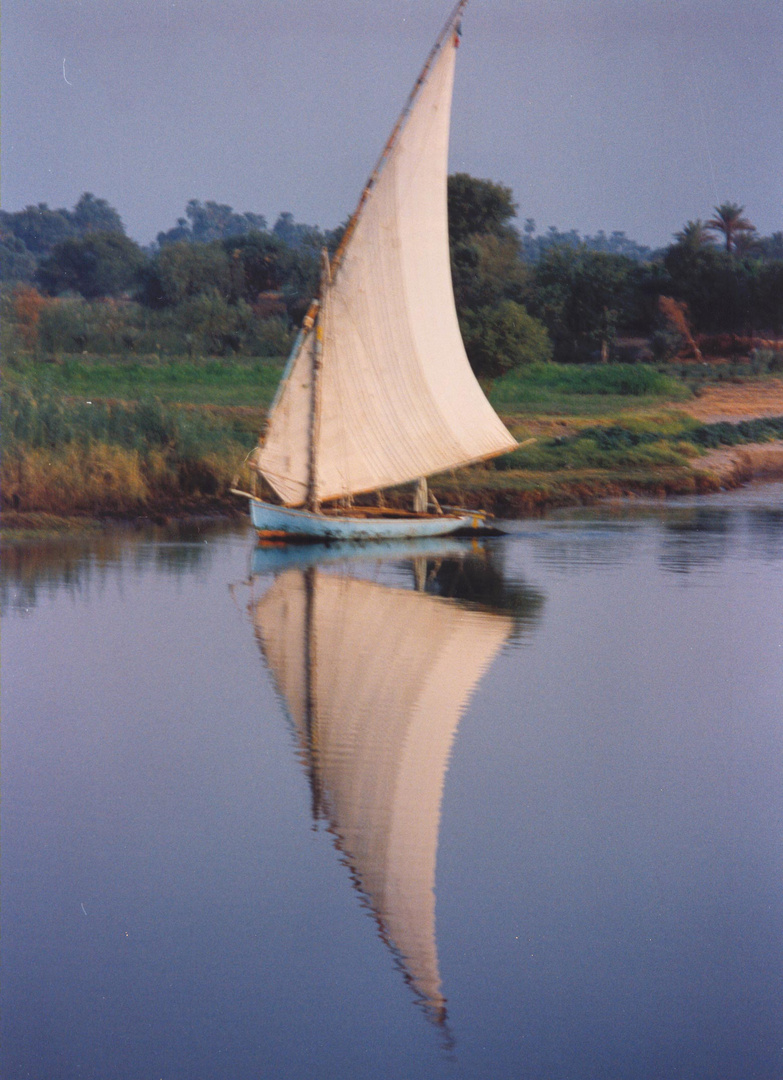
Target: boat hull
286,523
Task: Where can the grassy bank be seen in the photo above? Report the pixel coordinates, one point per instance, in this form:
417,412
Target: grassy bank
87,456
106,436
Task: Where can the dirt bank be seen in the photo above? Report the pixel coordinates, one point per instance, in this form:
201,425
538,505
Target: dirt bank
743,401
735,465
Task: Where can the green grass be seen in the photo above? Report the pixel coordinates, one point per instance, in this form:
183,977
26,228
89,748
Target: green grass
583,389
232,381
45,420
637,442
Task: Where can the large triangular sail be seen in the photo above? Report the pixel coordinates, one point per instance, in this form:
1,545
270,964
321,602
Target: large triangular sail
397,398
375,680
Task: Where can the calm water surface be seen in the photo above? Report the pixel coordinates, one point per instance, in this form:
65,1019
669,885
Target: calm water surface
227,775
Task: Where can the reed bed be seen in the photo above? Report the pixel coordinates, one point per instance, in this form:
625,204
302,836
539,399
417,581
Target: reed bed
112,458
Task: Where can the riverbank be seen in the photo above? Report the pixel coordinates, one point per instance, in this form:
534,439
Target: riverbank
74,458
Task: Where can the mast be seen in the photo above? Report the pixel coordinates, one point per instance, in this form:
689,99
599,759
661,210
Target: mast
313,502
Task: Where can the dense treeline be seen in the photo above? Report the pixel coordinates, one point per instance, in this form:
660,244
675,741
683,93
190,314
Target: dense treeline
221,282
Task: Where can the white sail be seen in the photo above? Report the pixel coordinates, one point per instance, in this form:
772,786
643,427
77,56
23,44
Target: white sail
397,398
375,680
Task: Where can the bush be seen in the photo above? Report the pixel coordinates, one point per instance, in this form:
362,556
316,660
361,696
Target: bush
504,337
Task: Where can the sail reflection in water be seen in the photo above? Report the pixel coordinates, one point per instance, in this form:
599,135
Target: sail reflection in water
375,679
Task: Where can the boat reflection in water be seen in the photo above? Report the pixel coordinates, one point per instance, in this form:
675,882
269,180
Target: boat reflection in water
375,679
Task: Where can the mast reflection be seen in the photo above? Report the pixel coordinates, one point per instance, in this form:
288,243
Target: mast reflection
375,679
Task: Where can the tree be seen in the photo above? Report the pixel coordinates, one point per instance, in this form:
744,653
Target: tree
297,235
770,296
265,264
96,265
771,247
479,207
95,215
500,338
216,221
205,222
184,270
583,297
181,231
676,314
694,235
486,269
38,227
16,262
729,221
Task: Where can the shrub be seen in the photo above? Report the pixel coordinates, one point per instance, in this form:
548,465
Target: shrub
498,339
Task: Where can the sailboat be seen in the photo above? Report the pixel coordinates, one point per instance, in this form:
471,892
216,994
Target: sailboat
378,390
375,679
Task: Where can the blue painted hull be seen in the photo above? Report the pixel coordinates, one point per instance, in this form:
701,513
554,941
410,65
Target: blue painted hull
287,523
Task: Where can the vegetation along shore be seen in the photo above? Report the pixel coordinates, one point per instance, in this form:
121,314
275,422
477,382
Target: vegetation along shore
136,381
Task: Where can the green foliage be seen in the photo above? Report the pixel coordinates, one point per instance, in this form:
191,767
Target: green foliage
203,324
210,221
29,235
500,338
589,452
222,283
665,344
763,429
70,456
729,221
617,243
231,381
95,215
694,236
621,445
97,264
297,235
264,265
182,271
726,293
38,228
42,420
73,325
769,299
580,296
490,280
542,382
486,270
479,207
16,262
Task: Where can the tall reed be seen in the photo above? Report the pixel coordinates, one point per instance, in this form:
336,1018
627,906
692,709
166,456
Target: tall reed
75,457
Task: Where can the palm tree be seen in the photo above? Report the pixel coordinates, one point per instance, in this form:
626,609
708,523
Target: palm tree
694,235
747,243
729,221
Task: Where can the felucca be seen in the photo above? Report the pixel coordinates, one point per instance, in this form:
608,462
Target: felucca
378,390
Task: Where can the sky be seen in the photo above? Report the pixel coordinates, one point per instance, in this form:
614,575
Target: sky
635,115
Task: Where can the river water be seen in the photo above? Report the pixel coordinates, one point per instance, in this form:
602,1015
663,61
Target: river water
470,811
